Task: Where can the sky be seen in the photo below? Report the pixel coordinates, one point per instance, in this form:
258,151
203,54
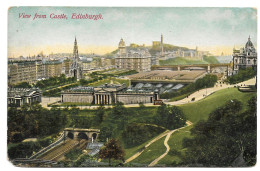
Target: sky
213,29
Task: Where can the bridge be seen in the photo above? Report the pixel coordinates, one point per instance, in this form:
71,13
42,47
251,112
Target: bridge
70,138
80,133
207,67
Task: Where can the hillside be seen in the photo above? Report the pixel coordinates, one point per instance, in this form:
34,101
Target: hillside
187,61
152,50
166,47
194,112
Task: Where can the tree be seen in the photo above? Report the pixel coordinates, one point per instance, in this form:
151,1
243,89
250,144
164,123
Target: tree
137,133
170,117
227,135
99,114
74,115
112,150
23,85
119,113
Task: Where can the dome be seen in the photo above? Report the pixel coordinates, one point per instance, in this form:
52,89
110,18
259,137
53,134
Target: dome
249,43
121,43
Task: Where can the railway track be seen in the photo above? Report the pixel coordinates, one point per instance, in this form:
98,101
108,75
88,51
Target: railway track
58,152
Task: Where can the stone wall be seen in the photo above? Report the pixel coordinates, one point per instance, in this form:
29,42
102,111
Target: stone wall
135,98
77,97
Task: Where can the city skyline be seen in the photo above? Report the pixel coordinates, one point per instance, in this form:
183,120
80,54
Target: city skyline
213,29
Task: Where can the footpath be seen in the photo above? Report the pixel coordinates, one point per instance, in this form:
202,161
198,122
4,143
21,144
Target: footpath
168,134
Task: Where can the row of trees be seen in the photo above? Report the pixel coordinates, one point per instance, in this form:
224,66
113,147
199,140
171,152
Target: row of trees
242,75
22,85
227,138
34,121
26,149
55,81
207,81
119,123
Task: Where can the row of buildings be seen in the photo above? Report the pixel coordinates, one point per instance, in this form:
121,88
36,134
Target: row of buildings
134,58
32,70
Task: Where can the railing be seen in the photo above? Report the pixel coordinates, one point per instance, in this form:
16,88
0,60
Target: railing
44,150
33,161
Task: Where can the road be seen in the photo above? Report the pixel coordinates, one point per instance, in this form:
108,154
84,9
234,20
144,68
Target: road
198,95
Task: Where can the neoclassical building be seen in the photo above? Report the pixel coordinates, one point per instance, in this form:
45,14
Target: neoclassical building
76,68
139,60
21,96
108,94
245,57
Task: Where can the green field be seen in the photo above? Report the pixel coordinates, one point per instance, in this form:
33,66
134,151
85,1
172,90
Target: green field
211,59
175,143
201,109
109,81
188,61
151,153
181,61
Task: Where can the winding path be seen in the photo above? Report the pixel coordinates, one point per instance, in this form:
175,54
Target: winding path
147,145
168,134
166,144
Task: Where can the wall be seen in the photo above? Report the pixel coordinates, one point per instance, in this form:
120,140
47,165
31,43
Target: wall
135,98
78,98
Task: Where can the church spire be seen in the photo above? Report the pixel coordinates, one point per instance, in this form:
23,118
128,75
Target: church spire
75,50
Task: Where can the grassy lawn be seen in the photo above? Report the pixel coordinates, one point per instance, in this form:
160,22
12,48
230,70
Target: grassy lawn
201,109
151,153
131,151
185,61
180,97
108,81
175,143
194,111
181,61
211,59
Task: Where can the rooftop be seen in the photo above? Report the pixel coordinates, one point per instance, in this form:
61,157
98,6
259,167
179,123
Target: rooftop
19,92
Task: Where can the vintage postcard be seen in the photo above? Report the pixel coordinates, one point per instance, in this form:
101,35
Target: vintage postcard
132,86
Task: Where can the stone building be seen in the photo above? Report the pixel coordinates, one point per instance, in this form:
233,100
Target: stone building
108,94
40,70
76,68
139,60
52,68
245,57
66,66
32,70
20,96
21,71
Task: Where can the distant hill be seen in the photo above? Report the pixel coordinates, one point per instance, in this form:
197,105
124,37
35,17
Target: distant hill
152,49
167,47
211,59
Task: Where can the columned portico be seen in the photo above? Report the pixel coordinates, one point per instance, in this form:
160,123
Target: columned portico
102,99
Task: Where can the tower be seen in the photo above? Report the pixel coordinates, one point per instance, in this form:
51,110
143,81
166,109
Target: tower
122,48
76,67
75,51
162,53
